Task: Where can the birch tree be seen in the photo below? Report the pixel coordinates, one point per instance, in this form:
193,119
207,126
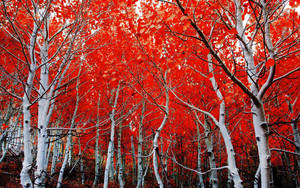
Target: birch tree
270,56
69,138
157,134
140,147
97,154
111,141
35,55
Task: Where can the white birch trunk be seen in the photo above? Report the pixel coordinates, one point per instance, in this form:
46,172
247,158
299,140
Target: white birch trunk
295,129
70,152
223,130
260,128
297,140
256,177
259,120
132,154
67,149
97,154
200,182
50,146
27,162
212,161
81,164
40,172
155,142
140,148
65,161
112,165
120,164
56,148
111,141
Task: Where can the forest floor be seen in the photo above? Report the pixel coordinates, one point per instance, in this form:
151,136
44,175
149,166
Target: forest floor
11,166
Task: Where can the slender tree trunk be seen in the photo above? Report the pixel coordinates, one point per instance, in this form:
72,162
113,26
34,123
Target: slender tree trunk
70,152
155,142
212,161
111,141
65,161
57,144
200,182
68,145
297,150
140,148
133,156
50,145
56,151
209,144
97,154
81,163
120,164
112,165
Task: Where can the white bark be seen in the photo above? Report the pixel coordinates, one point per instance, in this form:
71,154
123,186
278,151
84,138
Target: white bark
70,152
260,128
200,182
40,172
210,149
55,155
259,120
223,130
297,140
256,177
140,176
27,162
133,154
155,141
65,161
97,154
111,141
120,164
67,149
81,163
112,166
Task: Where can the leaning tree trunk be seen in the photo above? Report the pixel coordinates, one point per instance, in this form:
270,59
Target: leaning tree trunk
257,109
111,141
234,174
155,142
62,169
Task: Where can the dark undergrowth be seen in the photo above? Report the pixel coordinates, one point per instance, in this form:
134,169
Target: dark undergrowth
11,166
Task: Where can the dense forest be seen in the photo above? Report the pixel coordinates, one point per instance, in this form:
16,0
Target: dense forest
149,93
